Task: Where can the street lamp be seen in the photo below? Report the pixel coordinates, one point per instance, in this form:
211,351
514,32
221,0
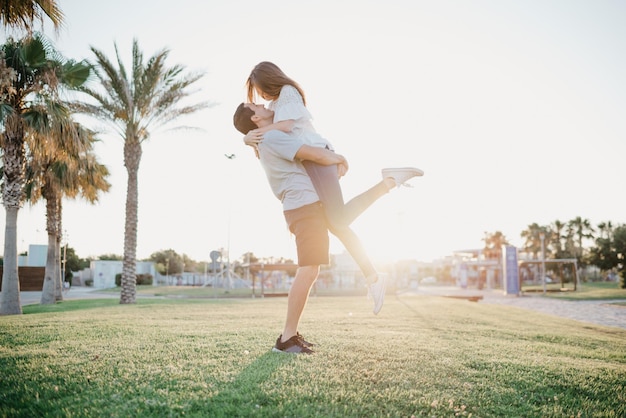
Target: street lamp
230,214
542,236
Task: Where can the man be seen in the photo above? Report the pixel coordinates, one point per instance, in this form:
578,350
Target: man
281,155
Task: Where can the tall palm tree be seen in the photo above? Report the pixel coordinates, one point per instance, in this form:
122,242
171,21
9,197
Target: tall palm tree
557,238
134,104
57,169
21,14
32,74
606,229
582,230
493,245
532,238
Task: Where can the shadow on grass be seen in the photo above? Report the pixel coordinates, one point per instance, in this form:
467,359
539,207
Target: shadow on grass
406,305
256,387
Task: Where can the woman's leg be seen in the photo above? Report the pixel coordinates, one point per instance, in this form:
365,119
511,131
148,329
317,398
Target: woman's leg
357,205
340,216
327,186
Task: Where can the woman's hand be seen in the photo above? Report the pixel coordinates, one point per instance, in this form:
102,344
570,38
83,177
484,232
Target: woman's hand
253,138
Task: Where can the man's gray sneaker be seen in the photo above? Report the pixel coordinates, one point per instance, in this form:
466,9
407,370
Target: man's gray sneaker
294,345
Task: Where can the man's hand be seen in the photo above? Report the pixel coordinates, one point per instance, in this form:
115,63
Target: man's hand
323,157
342,167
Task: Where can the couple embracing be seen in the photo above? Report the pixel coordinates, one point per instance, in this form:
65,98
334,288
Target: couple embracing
303,171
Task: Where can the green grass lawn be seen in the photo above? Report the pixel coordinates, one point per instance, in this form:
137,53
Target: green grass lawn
594,291
422,356
586,291
210,292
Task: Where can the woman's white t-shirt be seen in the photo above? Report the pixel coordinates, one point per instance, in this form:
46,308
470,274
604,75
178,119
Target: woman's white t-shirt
290,106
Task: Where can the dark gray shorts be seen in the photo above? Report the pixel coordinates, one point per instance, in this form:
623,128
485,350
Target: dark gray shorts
308,224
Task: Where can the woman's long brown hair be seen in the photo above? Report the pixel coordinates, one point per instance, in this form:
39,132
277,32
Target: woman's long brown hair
270,79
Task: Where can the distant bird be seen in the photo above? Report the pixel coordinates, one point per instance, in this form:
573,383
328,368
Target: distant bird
230,156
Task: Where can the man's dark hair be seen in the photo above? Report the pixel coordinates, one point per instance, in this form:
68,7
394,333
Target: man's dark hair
242,119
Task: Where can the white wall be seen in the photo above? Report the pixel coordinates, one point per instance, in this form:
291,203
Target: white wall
104,271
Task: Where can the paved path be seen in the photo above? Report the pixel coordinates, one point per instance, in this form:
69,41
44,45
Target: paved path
596,312
77,292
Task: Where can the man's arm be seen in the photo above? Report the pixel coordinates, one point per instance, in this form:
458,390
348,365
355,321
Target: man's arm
322,156
255,136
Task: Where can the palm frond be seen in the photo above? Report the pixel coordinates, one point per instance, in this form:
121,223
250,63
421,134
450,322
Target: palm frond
19,14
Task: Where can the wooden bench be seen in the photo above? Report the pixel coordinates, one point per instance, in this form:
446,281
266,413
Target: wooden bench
471,298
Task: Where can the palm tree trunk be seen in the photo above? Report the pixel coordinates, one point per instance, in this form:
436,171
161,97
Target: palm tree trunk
58,288
132,156
48,294
10,303
58,283
13,185
51,272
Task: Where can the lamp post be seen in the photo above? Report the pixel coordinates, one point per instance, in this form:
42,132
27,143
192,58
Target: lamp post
230,214
542,236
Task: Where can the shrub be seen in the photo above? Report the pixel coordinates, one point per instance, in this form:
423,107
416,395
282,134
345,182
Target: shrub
142,279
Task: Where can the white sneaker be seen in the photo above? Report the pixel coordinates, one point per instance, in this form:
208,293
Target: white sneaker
376,291
401,175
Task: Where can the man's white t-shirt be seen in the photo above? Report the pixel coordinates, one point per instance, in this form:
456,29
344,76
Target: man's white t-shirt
287,177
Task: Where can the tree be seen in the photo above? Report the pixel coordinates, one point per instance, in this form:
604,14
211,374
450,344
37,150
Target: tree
582,230
532,238
134,104
168,262
620,245
610,252
606,229
110,257
32,75
493,245
21,14
73,262
556,239
62,167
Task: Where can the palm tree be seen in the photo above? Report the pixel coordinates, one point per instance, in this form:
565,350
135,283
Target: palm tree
582,229
606,229
557,238
532,238
21,14
32,74
134,104
493,245
61,168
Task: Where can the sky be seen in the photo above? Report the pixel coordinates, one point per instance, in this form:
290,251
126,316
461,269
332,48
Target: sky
515,110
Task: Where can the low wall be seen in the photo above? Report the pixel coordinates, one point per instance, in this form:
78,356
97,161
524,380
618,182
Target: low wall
31,278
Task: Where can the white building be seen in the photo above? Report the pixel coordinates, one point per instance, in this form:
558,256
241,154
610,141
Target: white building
36,257
103,272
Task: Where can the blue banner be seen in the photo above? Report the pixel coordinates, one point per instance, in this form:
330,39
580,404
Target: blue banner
511,270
